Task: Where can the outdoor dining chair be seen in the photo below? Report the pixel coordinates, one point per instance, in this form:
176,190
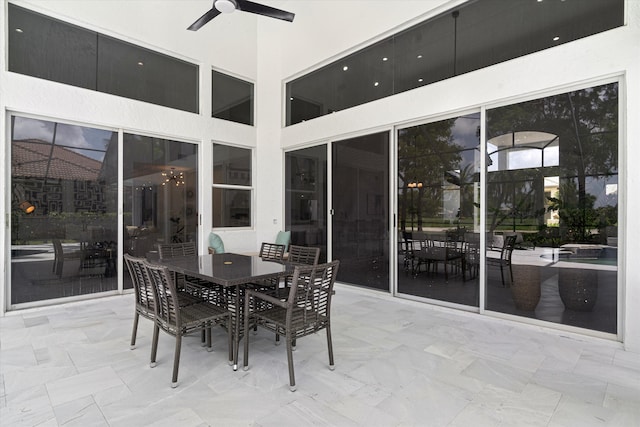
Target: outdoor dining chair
178,321
271,251
504,261
192,285
145,305
306,311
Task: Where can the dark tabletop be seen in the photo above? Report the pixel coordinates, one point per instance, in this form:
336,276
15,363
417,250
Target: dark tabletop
228,269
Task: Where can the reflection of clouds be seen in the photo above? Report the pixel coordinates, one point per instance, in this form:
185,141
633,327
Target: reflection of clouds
464,130
32,129
71,136
78,137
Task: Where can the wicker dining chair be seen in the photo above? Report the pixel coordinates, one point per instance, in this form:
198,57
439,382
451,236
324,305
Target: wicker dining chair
306,311
172,250
272,251
190,284
179,321
145,305
304,255
269,252
307,255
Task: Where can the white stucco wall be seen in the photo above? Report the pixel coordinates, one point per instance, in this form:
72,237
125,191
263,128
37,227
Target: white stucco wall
270,51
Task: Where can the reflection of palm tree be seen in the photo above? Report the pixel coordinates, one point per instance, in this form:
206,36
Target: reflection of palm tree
586,123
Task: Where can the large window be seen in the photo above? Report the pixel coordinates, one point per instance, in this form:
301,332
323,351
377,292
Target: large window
50,49
232,191
160,193
64,225
475,35
438,209
552,186
232,98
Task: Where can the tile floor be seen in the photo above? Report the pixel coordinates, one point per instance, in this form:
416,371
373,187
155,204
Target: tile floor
398,363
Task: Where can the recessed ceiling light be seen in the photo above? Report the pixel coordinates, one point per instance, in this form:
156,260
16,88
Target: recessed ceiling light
376,84
345,68
419,56
420,80
385,59
140,63
291,99
19,30
556,38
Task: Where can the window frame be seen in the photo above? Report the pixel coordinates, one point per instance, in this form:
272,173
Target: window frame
238,187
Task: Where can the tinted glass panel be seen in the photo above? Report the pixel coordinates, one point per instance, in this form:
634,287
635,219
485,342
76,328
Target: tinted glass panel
360,232
131,71
475,35
493,31
231,165
54,50
306,197
424,54
50,49
64,206
232,98
160,193
438,207
562,211
231,208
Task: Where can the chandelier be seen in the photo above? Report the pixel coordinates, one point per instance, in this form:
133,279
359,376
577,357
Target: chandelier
173,178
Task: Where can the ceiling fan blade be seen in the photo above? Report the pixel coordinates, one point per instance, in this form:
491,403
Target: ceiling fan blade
260,9
204,19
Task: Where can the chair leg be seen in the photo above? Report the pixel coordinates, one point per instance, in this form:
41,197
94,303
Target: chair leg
136,316
511,273
502,276
292,379
230,339
154,345
245,362
330,346
176,361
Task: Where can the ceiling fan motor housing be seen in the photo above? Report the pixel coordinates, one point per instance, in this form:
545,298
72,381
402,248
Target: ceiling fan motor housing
225,6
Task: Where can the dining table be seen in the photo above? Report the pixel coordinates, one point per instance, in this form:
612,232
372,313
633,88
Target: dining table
233,272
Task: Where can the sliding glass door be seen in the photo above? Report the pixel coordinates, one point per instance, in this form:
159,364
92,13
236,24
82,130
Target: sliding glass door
306,197
438,188
360,206
160,193
552,186
64,207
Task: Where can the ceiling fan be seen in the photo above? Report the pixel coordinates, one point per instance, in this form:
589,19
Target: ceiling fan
228,6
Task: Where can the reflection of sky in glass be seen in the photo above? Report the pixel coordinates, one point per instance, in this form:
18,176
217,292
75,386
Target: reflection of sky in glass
88,142
524,158
464,131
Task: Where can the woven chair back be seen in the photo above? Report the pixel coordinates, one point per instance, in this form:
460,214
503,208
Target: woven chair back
507,249
271,251
172,250
310,296
304,255
166,296
141,285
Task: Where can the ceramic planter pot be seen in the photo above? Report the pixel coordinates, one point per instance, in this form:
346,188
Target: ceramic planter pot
578,288
525,288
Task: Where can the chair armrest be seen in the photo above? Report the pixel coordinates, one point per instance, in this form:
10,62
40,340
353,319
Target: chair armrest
267,298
